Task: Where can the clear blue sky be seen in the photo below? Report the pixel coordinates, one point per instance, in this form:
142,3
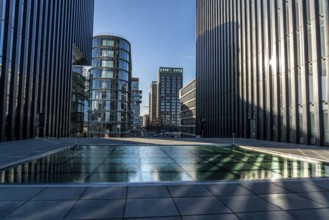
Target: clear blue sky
161,33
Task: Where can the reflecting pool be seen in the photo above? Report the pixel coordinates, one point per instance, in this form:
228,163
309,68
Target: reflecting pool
97,164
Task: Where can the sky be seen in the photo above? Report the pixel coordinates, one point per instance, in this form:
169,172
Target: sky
161,34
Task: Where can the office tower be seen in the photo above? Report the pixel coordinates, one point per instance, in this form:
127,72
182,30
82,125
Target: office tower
79,101
110,87
170,81
262,69
187,97
136,100
39,43
153,103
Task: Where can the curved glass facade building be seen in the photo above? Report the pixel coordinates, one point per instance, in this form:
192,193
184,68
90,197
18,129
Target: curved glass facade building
110,86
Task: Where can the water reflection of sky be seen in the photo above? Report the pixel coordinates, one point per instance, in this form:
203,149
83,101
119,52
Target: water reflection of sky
159,163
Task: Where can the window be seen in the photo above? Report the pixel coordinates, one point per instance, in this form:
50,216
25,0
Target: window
309,42
288,54
324,82
287,18
326,126
310,83
322,40
301,139
297,13
321,7
299,87
107,63
298,49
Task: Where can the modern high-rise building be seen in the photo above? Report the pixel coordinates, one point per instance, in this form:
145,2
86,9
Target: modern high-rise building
262,69
170,81
136,100
153,103
39,42
187,97
79,98
110,87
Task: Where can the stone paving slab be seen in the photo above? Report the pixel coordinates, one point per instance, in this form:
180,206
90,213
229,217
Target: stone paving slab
97,209
105,193
298,186
189,191
141,208
140,192
319,197
212,217
227,189
264,188
291,201
313,214
40,210
7,207
275,215
200,205
249,203
56,193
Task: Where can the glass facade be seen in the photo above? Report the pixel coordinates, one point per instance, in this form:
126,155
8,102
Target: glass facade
110,87
36,58
79,99
187,99
262,69
170,81
136,100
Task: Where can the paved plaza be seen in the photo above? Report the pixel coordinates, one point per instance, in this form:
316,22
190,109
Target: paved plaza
281,199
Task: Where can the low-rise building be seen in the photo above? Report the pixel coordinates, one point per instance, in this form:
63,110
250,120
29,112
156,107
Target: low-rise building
187,97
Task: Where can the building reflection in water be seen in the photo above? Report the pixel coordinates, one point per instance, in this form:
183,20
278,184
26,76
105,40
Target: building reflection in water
159,163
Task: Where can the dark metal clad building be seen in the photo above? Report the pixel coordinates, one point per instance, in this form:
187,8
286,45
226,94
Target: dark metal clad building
262,69
39,42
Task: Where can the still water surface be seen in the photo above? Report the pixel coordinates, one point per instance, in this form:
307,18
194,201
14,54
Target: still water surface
96,164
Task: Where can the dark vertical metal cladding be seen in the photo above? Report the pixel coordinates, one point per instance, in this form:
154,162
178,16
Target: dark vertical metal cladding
262,69
36,58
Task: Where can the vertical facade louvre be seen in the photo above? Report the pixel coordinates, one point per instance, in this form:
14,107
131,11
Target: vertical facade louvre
39,43
262,70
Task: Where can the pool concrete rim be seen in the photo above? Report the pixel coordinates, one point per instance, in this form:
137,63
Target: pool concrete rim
162,183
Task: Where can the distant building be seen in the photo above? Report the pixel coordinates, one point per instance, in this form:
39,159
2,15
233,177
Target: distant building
187,97
170,81
136,100
79,98
110,87
39,42
146,122
153,103
140,121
